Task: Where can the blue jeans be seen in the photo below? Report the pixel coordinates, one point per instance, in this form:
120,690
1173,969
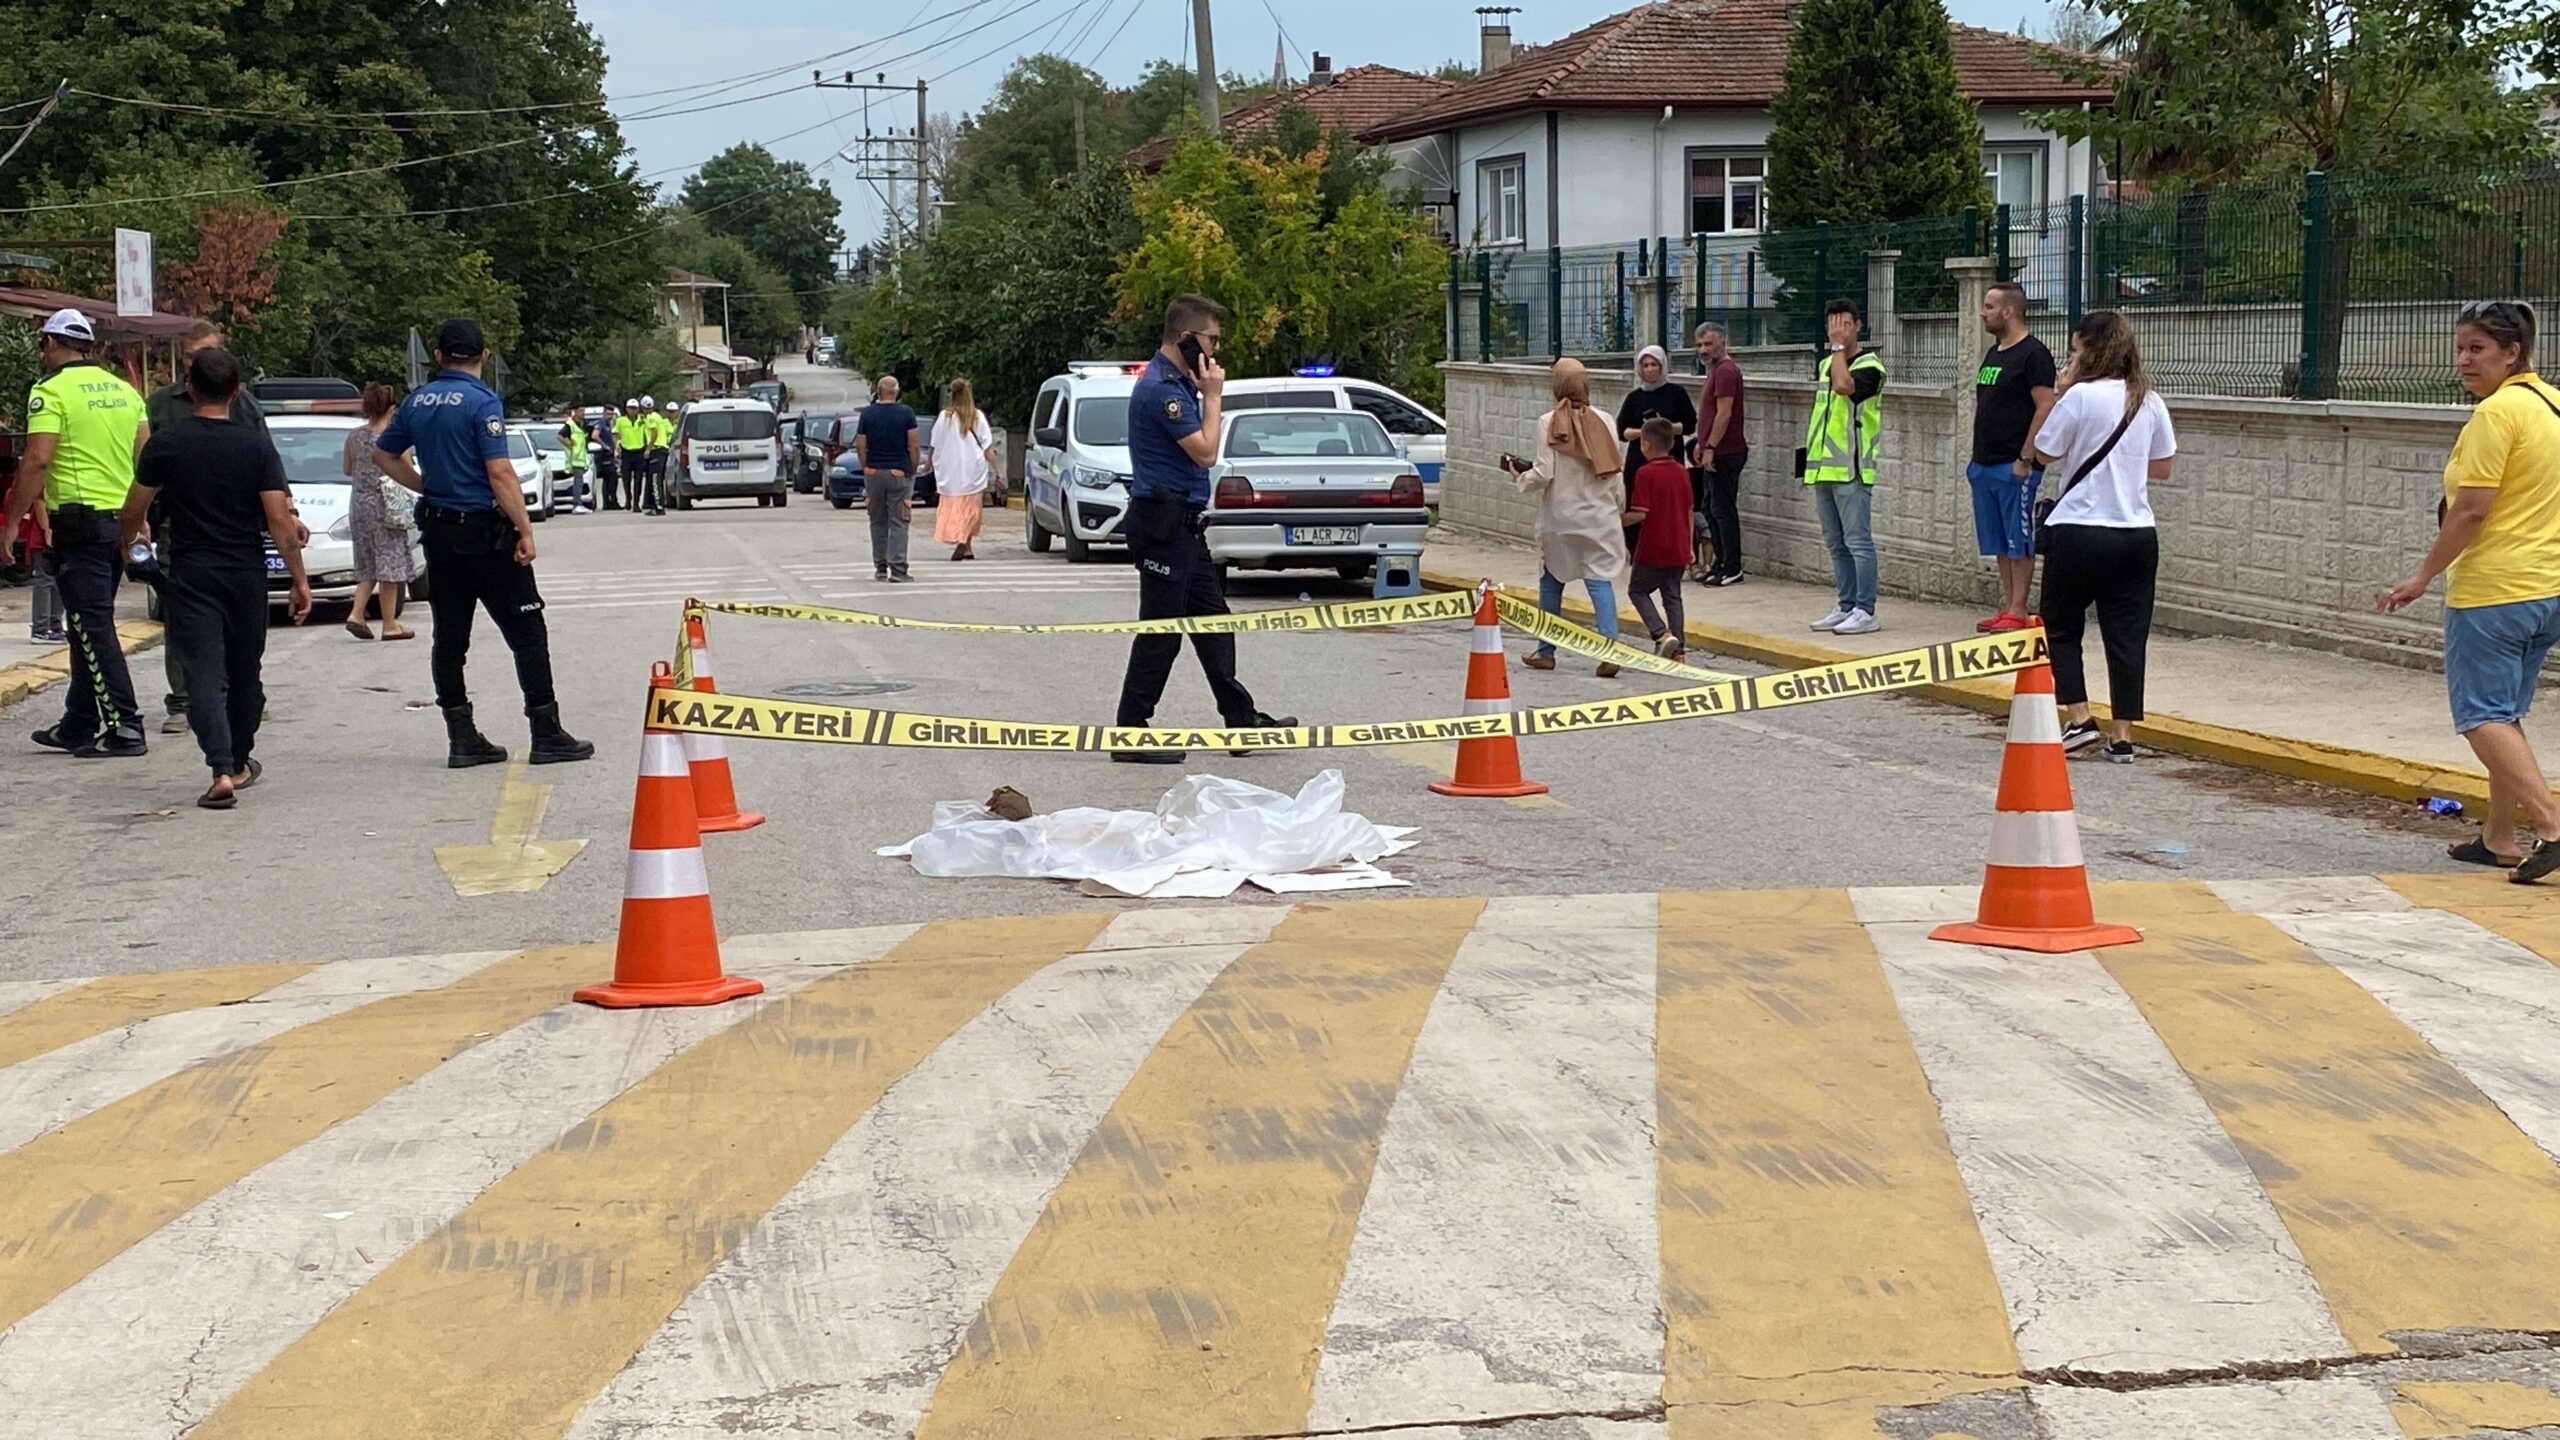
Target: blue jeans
1604,604
1845,509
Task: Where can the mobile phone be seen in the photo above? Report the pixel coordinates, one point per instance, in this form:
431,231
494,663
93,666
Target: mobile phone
1191,352
1514,462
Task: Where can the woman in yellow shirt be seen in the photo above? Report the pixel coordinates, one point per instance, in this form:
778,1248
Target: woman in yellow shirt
2500,543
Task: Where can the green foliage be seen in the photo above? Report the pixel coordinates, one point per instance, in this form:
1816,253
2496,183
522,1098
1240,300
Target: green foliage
764,315
1026,135
2220,90
782,215
641,360
1869,122
19,364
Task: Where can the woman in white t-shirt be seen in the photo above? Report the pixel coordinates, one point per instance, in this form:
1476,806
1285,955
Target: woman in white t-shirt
2108,436
964,460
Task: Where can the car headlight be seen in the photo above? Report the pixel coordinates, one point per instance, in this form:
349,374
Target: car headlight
1092,479
345,529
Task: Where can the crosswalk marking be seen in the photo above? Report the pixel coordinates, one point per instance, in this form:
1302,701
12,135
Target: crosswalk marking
2282,1410
84,1192
2523,915
64,1084
1819,1257
2315,1081
1513,1198
593,1243
1180,1279
902,1229
48,1019
2126,1230
17,995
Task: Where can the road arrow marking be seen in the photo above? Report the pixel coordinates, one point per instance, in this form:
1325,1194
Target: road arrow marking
513,860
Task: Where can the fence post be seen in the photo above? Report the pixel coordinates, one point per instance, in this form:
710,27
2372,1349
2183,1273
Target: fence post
1555,299
1973,229
1662,293
2076,234
1457,286
1751,292
1698,279
2515,258
1484,307
2315,244
1821,278
2000,241
1618,305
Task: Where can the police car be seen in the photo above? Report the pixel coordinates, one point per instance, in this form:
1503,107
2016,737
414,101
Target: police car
1075,474
1419,435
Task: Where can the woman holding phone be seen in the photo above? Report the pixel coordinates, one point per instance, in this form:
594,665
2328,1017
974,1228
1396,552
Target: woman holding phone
1582,501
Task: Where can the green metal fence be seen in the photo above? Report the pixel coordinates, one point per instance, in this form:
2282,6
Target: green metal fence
2326,287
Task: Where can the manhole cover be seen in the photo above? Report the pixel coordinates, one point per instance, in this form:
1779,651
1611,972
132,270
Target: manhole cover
842,689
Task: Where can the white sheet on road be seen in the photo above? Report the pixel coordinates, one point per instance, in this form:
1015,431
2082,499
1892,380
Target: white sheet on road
1207,838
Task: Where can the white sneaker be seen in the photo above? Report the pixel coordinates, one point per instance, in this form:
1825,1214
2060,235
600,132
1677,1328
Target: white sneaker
1858,623
1833,620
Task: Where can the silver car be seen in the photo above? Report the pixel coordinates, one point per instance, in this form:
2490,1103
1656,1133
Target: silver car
1311,489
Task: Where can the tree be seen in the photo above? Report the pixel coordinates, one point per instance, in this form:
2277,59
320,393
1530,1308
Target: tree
784,216
1026,135
2077,26
1869,122
231,278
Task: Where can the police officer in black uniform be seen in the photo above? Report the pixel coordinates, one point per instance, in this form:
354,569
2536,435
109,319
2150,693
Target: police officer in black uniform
1173,437
479,544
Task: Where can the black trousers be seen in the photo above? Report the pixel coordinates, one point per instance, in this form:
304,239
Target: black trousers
462,579
1721,505
652,494
2114,570
1176,577
218,632
88,560
608,475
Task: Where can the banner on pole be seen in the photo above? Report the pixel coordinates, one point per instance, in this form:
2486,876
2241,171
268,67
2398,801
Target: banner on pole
133,273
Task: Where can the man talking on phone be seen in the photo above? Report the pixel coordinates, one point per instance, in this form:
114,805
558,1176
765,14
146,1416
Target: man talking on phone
1173,439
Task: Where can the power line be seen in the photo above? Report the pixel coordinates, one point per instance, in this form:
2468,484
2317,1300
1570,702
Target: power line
1285,37
271,184
680,217
1007,45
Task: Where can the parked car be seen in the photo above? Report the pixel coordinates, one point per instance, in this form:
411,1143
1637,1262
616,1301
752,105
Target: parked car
307,395
844,482
1419,435
792,431
728,450
544,436
775,394
826,349
313,449
1075,475
1310,489
534,470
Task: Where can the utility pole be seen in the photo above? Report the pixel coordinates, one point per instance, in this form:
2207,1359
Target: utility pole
924,212
60,89
1079,134
1206,58
889,157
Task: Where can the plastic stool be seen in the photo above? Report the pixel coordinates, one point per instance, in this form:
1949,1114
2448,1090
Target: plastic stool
1399,572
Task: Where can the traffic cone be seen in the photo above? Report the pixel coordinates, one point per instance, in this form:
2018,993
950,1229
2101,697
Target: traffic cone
715,796
1490,765
667,952
2035,890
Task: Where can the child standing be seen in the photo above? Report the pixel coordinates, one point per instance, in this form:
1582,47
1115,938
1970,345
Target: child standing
1658,505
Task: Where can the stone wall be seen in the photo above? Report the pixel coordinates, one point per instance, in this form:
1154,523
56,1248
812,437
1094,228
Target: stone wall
2282,519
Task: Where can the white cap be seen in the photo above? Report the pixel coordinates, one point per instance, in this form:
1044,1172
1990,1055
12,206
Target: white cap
627,404
648,399
671,404
71,325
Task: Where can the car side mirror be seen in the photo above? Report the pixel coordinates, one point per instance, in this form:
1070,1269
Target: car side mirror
1051,436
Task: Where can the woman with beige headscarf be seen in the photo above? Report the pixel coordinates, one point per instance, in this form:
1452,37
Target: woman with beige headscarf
1581,500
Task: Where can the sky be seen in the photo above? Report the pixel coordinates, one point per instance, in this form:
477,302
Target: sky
656,50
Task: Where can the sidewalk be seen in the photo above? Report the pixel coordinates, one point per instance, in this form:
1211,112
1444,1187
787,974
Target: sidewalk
2307,714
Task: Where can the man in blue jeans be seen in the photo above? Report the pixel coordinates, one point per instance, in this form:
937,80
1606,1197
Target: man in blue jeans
2012,394
1841,444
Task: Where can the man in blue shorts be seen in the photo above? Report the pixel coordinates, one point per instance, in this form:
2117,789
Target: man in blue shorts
2011,394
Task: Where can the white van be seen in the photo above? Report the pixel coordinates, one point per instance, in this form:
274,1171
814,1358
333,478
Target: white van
728,450
1419,435
1075,475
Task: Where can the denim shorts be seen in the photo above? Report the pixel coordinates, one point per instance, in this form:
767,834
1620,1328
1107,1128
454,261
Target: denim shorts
2493,659
2004,506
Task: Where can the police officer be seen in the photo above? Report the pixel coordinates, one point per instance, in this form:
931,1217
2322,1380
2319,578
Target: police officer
479,544
662,438
85,426
631,444
1173,437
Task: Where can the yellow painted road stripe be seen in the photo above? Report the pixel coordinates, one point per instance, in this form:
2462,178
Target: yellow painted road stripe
527,1302
75,1197
1820,1257
2527,914
1181,1277
2417,1204
2441,1409
120,1000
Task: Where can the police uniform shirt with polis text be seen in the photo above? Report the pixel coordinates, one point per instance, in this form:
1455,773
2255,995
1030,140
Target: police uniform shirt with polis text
456,425
1164,410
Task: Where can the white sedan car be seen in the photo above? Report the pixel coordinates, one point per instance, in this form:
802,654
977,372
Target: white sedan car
534,470
1311,489
313,448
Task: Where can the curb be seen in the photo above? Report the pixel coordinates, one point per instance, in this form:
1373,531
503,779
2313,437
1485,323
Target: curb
2363,771
25,678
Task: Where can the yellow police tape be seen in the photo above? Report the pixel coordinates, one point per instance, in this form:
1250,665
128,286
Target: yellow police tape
1515,611
757,717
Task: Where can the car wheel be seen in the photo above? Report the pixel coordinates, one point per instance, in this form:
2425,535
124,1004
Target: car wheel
840,504
1078,552
764,502
151,604
1035,539
418,587
781,498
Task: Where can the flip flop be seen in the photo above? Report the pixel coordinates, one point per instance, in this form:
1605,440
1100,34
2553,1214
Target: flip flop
399,633
2544,859
359,629
2476,851
210,801
243,781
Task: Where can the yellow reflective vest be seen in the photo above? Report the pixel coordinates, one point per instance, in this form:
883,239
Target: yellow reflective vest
1843,439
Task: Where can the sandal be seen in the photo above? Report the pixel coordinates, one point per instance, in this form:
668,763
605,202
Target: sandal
1539,662
248,777
2544,859
212,799
359,629
2476,851
392,631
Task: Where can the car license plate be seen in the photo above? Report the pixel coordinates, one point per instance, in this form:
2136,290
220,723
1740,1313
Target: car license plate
275,563
719,464
1324,534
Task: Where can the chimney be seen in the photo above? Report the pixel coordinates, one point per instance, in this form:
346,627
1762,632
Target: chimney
1495,39
1324,70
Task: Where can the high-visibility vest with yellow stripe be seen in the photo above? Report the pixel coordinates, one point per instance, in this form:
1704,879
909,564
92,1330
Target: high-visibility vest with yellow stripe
1844,437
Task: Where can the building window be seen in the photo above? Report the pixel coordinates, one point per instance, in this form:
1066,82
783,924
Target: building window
2012,173
1502,201
1724,193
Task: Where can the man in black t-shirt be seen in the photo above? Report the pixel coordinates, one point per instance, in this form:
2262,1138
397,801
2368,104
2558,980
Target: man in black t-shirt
2011,394
225,494
166,406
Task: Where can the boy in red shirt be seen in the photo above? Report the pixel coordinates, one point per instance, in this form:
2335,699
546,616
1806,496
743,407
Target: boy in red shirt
1658,502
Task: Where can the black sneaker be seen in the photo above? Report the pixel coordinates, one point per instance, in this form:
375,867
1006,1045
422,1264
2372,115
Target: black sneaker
2120,752
52,738
1264,722
1723,580
1149,757
114,746
2080,735
901,577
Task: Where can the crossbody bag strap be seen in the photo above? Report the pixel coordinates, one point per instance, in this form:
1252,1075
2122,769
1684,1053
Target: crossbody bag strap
2098,457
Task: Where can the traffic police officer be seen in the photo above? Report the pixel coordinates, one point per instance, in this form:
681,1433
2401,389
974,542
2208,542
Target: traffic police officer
85,426
654,431
479,544
631,447
1173,437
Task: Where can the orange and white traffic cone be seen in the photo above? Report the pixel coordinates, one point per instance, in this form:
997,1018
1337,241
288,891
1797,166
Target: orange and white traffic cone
2035,890
715,795
667,953
1489,765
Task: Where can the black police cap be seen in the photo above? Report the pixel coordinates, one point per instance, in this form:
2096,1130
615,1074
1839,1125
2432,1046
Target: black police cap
460,339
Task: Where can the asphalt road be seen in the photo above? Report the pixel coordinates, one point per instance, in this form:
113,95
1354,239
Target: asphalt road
333,855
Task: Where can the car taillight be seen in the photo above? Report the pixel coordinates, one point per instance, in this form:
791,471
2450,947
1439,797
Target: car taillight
1406,491
684,451
1234,493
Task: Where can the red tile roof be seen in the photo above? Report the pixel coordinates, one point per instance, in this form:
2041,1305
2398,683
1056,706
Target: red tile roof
1705,55
1357,99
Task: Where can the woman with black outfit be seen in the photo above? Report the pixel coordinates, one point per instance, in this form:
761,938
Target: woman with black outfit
1656,394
